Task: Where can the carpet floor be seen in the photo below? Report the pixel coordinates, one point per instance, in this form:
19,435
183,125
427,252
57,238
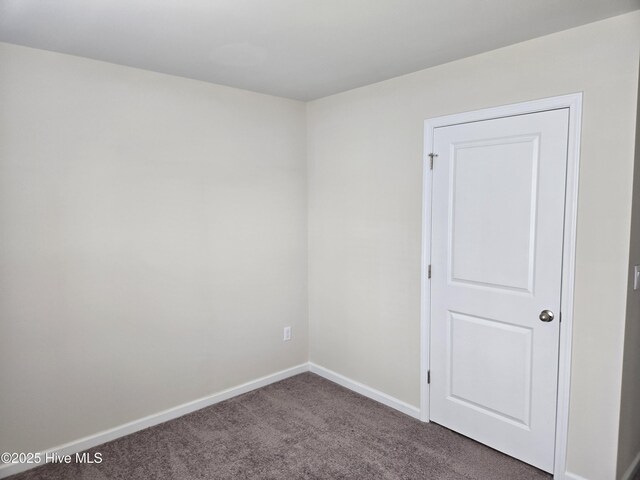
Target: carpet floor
304,427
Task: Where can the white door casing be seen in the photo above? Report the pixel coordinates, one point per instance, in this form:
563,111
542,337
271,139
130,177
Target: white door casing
496,235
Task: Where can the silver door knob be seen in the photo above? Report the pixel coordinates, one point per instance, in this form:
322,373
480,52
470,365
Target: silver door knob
546,315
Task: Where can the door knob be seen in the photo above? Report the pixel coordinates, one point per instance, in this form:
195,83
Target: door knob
546,315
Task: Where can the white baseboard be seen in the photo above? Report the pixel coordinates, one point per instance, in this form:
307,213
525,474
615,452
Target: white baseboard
627,475
91,441
569,476
633,468
365,390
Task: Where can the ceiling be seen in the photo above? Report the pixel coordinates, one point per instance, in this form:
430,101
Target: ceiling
301,49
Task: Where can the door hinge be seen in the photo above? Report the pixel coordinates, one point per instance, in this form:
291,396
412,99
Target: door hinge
431,157
428,377
429,271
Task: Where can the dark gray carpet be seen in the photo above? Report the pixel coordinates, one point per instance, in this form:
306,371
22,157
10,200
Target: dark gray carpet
302,427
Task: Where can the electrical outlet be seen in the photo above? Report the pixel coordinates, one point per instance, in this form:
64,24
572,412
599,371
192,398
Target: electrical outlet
287,334
636,277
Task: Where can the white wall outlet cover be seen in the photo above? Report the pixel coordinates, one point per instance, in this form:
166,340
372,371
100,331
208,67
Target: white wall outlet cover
636,277
287,334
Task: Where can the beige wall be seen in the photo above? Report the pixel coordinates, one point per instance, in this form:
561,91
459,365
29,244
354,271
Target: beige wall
152,243
365,170
153,234
629,437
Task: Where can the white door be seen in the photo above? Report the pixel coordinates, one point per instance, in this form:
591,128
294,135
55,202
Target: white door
497,235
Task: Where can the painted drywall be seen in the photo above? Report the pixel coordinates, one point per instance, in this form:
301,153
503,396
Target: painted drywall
365,171
153,233
153,243
629,436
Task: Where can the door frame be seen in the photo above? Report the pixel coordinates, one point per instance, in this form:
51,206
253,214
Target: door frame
574,103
